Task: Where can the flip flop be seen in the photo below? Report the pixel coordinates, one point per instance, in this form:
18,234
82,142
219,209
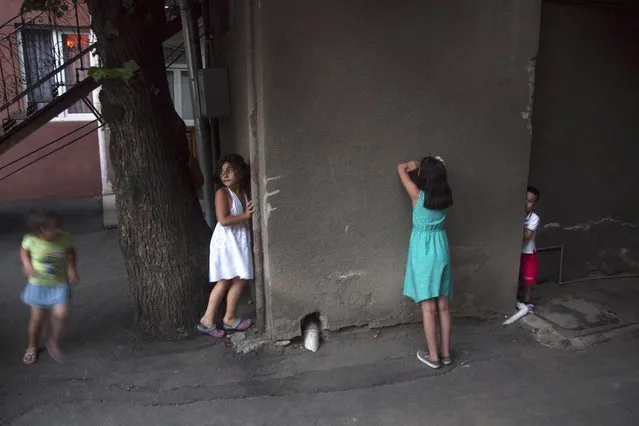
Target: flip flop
30,357
211,331
240,325
55,353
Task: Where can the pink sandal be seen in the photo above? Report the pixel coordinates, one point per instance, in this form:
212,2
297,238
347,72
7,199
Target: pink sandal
211,331
240,325
55,352
30,356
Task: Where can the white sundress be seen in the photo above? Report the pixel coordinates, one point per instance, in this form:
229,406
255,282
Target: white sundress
230,253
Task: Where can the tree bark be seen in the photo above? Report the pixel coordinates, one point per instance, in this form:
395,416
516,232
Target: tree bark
163,235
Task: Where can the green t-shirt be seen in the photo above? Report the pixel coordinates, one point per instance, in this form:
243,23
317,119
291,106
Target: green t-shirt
49,258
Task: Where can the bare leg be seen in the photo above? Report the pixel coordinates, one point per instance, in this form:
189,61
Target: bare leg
429,312
216,296
232,298
444,324
59,316
36,321
44,331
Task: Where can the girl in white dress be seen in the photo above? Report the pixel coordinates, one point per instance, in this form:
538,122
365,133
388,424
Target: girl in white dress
230,253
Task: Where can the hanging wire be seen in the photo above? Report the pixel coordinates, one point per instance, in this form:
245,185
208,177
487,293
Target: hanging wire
175,49
47,145
50,153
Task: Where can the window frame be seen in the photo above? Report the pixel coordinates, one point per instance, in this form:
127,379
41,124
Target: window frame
177,70
60,78
57,35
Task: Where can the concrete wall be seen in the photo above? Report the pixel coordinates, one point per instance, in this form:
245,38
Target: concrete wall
585,149
349,89
234,130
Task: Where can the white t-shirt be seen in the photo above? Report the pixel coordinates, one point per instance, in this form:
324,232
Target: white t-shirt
531,223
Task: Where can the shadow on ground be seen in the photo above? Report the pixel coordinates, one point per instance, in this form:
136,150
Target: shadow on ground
360,376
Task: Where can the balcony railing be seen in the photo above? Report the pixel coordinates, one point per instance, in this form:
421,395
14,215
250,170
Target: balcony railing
43,56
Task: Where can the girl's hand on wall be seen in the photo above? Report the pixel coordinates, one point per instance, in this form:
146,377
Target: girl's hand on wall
250,209
411,166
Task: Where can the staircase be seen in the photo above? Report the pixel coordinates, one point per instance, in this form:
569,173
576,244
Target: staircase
44,63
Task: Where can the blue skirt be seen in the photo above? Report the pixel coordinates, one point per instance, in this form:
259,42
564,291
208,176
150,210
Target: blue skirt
46,296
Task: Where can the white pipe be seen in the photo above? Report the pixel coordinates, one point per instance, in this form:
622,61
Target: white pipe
522,311
312,337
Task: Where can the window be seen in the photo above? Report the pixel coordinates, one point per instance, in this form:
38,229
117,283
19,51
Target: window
43,51
39,62
178,78
78,70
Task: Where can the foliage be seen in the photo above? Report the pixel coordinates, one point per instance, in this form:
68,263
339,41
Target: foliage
125,72
57,7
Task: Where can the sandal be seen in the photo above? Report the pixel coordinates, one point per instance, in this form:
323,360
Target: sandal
211,331
240,325
30,356
55,352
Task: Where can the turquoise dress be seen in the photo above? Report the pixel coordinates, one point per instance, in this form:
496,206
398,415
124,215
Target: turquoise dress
428,265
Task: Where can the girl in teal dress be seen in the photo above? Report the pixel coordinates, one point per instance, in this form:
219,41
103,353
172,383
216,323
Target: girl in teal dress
428,280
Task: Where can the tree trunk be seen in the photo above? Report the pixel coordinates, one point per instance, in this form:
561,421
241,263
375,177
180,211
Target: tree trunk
163,235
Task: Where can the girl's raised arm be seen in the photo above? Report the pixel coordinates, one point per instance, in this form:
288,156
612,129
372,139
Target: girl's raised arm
403,170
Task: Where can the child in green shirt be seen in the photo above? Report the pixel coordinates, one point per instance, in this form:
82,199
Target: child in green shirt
48,258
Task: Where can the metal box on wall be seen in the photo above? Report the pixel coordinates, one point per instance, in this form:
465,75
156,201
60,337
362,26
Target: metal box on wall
215,98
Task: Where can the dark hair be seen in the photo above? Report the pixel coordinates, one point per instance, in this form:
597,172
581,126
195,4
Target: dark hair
431,178
239,166
36,220
533,191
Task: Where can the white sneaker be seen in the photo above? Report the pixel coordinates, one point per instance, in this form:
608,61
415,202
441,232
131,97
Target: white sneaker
423,357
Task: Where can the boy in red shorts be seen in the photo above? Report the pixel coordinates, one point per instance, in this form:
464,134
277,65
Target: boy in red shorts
529,262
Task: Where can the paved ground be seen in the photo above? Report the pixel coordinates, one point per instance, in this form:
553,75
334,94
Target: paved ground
584,307
362,377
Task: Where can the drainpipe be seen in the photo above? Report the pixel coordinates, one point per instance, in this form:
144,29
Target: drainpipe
202,132
210,61
260,296
522,311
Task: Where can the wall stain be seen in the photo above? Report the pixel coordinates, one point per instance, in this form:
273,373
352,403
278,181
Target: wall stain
528,113
586,226
341,277
268,207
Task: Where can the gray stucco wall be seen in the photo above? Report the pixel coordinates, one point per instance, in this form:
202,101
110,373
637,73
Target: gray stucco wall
234,129
585,149
351,88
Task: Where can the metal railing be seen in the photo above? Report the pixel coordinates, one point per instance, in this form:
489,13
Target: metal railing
42,56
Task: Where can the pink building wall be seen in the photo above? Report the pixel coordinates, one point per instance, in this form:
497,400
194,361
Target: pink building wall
72,172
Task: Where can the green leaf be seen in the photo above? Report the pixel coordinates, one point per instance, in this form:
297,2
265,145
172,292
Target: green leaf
57,7
125,72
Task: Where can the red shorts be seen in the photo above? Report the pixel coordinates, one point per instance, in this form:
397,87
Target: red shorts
529,268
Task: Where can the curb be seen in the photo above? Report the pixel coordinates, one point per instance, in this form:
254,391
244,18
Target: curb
546,334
